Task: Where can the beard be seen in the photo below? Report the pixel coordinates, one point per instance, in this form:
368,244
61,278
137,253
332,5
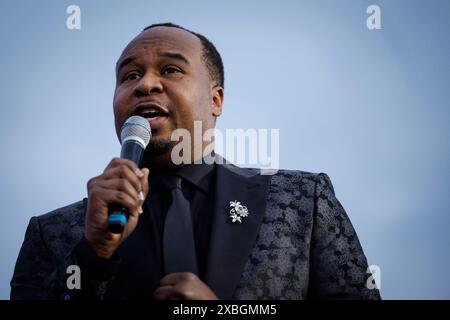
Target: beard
159,147
157,155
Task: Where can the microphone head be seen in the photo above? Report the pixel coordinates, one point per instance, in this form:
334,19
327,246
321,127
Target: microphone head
138,129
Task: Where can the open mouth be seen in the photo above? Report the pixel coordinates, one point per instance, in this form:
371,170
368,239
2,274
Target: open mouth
154,113
150,114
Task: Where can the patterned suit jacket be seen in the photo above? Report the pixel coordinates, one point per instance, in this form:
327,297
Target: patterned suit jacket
296,243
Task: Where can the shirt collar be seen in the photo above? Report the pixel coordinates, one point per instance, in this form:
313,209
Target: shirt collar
197,174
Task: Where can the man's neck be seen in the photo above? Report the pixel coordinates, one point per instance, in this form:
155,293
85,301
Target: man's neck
164,162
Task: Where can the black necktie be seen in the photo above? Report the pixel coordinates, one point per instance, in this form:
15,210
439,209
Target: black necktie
178,238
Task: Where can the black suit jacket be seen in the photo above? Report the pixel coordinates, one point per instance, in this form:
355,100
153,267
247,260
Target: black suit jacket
296,243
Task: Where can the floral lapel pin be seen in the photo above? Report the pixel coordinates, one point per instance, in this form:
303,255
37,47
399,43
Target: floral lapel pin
238,211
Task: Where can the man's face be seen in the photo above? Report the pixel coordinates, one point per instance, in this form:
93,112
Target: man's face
161,75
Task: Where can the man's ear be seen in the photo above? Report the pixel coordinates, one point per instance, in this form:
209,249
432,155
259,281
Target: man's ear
217,101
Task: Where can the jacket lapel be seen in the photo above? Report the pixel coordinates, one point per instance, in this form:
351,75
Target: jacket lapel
231,243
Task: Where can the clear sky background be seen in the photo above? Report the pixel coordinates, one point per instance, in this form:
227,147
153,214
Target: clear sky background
368,107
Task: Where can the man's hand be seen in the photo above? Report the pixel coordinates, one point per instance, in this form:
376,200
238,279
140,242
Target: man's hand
183,286
123,183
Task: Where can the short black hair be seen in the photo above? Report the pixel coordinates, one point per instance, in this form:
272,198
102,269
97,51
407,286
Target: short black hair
211,56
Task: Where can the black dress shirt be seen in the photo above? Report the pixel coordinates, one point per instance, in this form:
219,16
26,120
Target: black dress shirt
197,186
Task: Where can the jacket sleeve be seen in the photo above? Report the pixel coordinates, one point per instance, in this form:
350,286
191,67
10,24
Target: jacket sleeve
39,275
338,268
34,275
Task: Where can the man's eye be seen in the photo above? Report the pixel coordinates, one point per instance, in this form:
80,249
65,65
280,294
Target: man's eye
170,70
131,76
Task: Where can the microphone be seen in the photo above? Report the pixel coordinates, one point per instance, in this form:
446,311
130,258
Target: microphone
134,137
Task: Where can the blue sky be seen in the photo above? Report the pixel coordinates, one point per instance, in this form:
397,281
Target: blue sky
368,107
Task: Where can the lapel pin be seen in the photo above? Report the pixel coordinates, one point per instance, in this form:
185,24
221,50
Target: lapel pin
238,211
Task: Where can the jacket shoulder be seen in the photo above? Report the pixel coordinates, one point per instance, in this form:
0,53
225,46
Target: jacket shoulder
296,180
289,181
72,214
63,227
296,174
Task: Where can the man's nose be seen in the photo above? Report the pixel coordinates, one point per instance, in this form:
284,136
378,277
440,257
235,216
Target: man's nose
148,84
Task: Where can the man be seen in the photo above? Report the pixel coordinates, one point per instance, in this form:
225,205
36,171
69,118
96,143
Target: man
294,241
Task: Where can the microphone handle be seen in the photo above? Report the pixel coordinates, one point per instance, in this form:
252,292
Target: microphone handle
117,214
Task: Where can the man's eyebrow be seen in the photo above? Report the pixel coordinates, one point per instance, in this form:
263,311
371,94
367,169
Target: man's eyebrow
124,62
171,55
174,55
